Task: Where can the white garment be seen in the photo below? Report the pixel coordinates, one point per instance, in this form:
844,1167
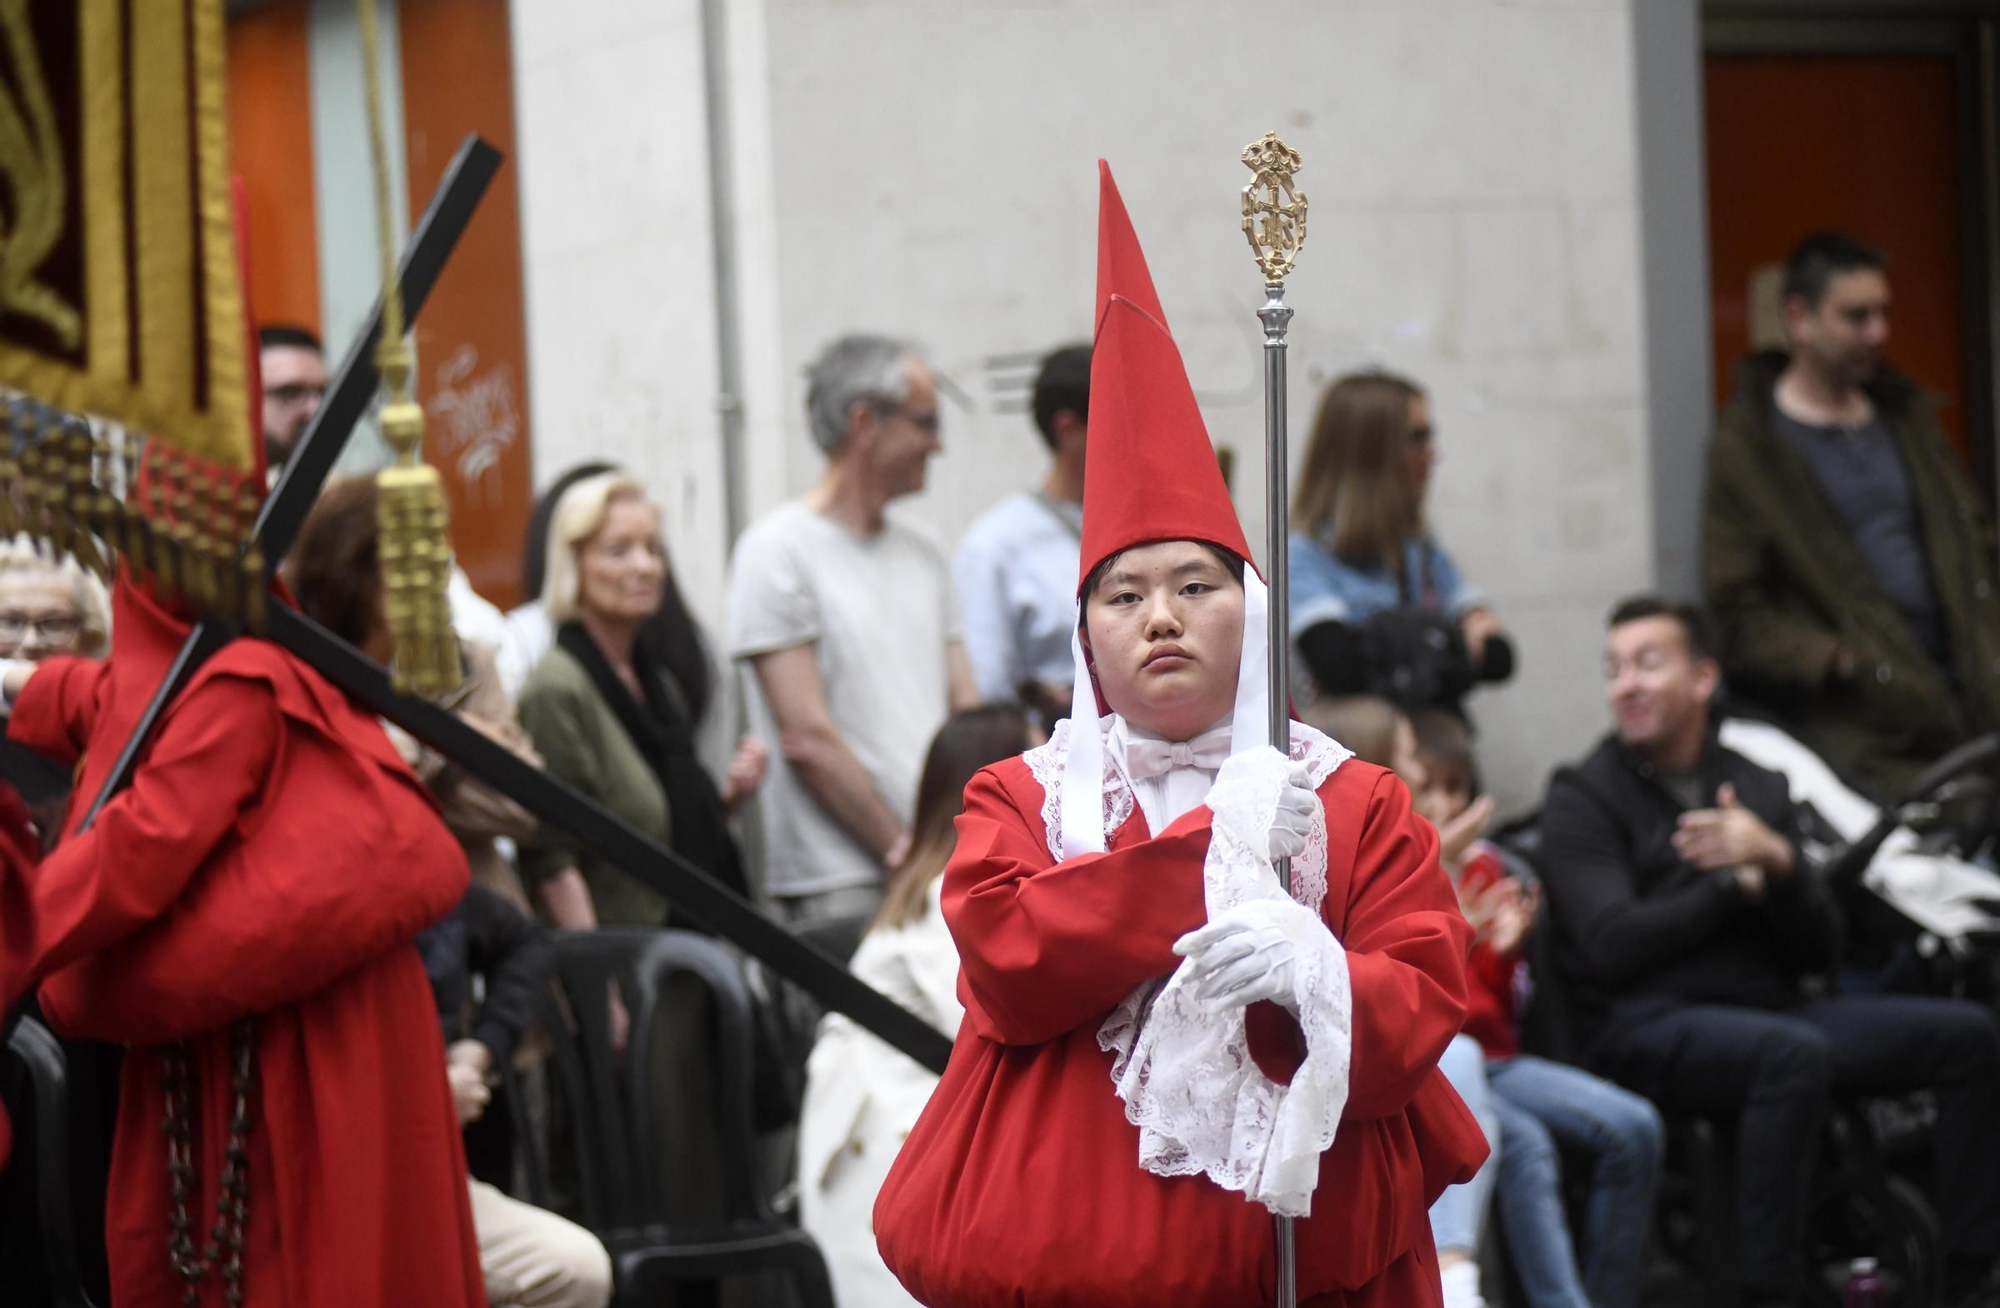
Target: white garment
473,616
1942,895
1016,571
1187,1079
878,612
863,1097
527,634
1460,1283
531,1258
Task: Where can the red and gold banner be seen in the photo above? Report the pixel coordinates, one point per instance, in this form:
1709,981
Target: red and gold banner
119,288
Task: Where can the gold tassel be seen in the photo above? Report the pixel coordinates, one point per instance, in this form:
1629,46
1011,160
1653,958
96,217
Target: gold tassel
414,551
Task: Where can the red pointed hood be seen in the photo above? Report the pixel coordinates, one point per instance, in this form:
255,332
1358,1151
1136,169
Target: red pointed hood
1150,471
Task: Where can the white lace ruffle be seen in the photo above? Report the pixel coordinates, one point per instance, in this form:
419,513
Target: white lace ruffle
1187,1079
1045,763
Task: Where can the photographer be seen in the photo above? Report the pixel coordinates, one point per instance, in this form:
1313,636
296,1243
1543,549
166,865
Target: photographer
1379,607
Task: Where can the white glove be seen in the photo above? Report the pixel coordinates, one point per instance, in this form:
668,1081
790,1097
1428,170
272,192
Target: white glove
1247,954
1297,806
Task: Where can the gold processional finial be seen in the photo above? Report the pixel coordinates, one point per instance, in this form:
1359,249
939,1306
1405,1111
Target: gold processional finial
415,556
1274,211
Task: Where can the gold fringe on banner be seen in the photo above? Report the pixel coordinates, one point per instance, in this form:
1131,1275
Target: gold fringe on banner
82,490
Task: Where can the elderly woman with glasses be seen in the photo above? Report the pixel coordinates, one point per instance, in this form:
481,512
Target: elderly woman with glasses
49,607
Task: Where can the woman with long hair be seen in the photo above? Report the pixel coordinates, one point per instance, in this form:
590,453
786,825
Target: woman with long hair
861,1095
1378,606
615,717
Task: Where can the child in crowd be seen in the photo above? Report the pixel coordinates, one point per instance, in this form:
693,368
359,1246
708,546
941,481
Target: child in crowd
862,1097
1380,733
1542,1106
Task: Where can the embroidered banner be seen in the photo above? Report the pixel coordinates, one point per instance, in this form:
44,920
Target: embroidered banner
119,287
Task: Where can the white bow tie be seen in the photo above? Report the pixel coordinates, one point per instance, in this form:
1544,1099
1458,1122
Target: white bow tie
1145,759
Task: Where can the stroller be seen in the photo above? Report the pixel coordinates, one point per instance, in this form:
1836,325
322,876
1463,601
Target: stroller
1925,915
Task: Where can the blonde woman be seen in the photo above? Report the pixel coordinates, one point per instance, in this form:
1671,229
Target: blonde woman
615,717
1379,607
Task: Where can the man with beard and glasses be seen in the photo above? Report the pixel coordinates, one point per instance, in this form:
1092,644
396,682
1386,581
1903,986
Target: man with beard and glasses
1850,561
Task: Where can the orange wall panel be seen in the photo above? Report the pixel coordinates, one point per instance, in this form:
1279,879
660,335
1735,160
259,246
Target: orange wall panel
472,335
271,149
1868,146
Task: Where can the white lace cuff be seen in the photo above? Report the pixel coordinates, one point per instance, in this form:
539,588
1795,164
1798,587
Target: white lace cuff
1187,1079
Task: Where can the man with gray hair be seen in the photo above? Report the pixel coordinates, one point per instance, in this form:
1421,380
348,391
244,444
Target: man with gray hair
850,629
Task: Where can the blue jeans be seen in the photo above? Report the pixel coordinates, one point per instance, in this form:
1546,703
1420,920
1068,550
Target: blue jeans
1544,1107
1461,1210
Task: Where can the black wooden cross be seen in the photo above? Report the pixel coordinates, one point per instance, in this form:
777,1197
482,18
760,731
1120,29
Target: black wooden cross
690,888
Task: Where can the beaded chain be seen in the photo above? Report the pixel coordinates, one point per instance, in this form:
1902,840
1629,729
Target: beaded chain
232,1203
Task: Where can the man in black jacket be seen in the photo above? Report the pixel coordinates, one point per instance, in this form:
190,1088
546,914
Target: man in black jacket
1688,924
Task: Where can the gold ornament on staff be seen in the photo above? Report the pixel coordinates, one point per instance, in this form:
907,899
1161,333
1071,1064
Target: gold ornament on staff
1274,211
415,556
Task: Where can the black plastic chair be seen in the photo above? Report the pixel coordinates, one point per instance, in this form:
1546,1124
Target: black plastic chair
48,1092
610,1096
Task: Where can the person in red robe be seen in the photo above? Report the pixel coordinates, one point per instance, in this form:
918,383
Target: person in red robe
1162,1046
242,916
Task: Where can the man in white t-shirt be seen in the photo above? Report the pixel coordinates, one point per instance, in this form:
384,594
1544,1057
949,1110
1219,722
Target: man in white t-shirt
851,633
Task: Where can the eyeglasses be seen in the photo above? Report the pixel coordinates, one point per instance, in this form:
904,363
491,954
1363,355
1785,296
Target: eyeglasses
927,423
295,392
50,629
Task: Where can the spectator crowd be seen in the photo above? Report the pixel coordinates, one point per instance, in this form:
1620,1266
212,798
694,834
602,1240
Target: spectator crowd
1677,958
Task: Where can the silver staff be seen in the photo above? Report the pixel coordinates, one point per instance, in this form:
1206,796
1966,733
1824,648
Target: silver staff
1274,220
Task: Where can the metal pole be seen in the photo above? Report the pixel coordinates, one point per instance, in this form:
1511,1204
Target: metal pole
1274,221
1276,317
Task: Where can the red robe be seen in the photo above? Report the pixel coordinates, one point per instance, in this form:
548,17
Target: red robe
1021,1182
272,857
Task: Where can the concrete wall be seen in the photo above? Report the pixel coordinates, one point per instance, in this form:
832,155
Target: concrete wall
927,168
615,236
1674,237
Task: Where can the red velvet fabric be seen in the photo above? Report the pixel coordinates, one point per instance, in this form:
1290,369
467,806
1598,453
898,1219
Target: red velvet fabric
1150,471
274,857
1021,1182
